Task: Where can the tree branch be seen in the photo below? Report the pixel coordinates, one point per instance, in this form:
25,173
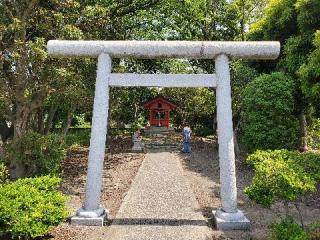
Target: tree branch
8,11
134,8
30,6
7,4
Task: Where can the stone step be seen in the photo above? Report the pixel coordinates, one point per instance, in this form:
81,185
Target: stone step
162,145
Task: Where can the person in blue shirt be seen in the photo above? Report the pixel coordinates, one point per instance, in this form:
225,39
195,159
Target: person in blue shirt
186,134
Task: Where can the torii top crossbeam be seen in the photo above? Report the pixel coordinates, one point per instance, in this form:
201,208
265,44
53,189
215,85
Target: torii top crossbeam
164,49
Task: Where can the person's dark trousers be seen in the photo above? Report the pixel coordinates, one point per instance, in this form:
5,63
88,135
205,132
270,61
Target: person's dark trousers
186,147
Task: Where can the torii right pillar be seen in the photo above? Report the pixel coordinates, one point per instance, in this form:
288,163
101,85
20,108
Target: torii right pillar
228,216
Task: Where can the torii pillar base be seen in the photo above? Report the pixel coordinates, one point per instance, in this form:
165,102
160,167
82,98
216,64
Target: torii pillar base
230,221
90,218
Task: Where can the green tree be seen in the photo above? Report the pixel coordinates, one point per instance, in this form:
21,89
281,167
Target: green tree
310,75
195,106
248,12
267,119
293,23
33,85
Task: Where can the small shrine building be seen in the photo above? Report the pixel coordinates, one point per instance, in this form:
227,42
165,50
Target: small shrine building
159,112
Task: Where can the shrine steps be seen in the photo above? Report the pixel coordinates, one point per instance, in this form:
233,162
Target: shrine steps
155,130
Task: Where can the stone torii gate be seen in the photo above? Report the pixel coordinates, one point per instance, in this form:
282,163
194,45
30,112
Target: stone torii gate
228,216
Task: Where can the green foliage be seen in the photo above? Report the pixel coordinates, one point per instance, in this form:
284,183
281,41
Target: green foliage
4,173
295,52
293,23
309,161
282,175
119,131
195,105
314,230
241,74
139,122
39,154
310,75
308,15
267,120
201,131
278,180
287,229
78,136
186,20
127,105
278,21
30,207
314,134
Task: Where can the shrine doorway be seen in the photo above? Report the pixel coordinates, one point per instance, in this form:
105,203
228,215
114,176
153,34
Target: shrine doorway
159,112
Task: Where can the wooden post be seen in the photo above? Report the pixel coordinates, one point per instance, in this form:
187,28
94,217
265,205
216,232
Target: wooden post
150,117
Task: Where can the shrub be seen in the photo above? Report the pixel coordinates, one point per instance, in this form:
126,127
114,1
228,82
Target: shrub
314,134
79,137
39,154
309,161
287,229
314,231
282,175
4,173
30,207
267,120
202,131
119,131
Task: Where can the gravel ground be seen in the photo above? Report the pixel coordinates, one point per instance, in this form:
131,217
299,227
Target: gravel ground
120,168
202,169
160,204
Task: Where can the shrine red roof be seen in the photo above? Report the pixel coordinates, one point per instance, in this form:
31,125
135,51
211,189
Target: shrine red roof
161,100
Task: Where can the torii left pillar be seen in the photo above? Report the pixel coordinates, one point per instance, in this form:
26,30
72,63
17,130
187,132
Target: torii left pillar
92,213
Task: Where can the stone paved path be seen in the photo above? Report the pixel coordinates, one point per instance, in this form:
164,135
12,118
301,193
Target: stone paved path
160,205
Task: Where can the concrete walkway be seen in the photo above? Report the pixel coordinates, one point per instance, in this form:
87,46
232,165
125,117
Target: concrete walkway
160,205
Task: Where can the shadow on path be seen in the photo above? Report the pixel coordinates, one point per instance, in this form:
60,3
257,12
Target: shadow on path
158,222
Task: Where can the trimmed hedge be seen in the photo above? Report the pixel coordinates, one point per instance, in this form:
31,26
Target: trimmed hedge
267,118
30,207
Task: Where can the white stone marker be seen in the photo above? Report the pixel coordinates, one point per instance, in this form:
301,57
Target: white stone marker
228,217
92,213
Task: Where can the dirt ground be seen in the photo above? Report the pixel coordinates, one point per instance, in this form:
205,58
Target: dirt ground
201,170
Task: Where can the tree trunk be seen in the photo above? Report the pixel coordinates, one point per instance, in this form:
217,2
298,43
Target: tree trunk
242,23
303,132
286,208
18,170
49,122
1,148
136,109
20,122
40,121
297,205
68,123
